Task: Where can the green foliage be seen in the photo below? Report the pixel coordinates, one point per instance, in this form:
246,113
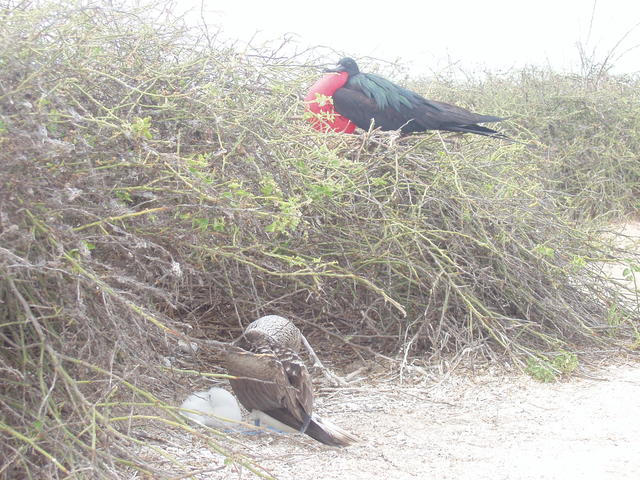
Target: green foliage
616,316
123,196
578,261
218,224
141,127
544,251
288,218
322,100
201,223
630,272
545,369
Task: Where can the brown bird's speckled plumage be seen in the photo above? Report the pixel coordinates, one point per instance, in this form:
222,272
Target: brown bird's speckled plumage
282,331
271,379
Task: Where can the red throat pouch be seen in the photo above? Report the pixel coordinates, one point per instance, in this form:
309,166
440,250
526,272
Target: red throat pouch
319,103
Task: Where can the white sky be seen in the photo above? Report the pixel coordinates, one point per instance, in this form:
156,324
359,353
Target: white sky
427,36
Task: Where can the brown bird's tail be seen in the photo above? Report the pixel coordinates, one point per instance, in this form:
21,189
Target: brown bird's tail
326,432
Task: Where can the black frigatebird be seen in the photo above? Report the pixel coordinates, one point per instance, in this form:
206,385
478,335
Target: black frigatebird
345,98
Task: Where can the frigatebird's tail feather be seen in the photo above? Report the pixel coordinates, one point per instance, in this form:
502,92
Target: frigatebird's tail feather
478,129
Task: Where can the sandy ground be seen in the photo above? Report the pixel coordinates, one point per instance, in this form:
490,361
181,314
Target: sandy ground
489,425
484,426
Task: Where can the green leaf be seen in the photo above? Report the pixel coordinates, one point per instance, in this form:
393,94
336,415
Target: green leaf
544,250
201,223
141,127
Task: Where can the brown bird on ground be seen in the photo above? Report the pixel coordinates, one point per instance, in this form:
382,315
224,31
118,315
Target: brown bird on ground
273,383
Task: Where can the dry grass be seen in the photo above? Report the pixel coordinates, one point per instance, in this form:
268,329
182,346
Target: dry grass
156,185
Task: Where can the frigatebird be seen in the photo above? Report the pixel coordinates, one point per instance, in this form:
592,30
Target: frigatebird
345,98
273,383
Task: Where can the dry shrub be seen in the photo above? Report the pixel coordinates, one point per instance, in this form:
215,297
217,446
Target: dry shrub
155,183
584,128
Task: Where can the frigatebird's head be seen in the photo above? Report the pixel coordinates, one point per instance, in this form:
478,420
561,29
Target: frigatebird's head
346,64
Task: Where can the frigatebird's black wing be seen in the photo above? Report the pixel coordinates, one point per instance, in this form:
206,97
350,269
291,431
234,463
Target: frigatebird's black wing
361,110
422,114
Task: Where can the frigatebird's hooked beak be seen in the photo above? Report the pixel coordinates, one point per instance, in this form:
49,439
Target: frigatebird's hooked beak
337,68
